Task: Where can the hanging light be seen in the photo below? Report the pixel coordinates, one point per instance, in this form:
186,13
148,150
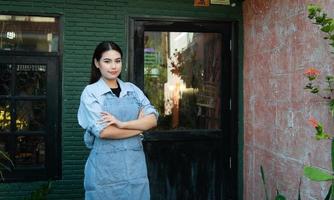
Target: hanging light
154,72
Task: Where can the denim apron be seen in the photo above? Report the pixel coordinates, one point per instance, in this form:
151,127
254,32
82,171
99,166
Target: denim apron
116,168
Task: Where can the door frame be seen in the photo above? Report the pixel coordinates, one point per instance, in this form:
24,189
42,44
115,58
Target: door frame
135,59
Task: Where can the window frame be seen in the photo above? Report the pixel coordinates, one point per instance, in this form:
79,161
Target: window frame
137,26
53,166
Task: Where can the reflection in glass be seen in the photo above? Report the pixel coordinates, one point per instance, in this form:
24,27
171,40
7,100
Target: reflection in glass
30,79
5,77
30,151
182,78
4,116
30,115
29,33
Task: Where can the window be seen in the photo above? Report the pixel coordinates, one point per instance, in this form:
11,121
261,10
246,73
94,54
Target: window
29,96
182,78
29,33
184,67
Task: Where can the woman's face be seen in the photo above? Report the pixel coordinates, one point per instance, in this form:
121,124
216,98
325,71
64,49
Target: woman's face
110,65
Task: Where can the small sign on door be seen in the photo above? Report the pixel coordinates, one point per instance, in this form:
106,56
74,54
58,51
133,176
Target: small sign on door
221,2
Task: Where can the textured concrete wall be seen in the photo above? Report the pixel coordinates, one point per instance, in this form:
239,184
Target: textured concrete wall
280,43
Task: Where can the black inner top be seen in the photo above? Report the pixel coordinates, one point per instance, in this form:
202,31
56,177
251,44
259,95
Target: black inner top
117,90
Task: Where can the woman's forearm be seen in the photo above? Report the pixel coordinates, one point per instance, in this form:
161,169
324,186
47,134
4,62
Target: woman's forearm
112,132
143,123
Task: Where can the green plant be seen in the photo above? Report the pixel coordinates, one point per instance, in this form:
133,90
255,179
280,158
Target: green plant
40,193
317,174
320,18
278,196
327,26
5,161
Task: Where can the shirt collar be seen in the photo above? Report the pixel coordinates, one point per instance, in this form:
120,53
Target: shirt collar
102,87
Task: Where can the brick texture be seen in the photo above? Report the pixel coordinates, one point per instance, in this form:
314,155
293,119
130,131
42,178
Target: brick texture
280,42
85,23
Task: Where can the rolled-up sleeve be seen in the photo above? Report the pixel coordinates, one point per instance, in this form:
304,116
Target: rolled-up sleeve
89,113
145,104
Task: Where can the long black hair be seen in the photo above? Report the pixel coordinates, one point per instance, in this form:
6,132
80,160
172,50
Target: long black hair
99,50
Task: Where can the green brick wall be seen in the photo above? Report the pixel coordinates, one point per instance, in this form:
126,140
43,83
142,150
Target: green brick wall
85,23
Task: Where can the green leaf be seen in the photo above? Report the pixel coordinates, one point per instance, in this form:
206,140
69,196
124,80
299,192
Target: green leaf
331,107
280,197
308,85
332,191
315,90
313,10
300,182
317,174
3,166
328,196
264,183
4,155
332,154
326,28
330,78
322,136
40,193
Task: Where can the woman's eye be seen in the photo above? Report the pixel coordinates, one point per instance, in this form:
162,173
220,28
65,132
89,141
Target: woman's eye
118,61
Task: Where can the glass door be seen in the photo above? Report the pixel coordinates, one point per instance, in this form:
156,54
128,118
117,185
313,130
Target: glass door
185,69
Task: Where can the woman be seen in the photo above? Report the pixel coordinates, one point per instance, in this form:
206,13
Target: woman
114,114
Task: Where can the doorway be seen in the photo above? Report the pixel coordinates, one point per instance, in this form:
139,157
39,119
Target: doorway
186,68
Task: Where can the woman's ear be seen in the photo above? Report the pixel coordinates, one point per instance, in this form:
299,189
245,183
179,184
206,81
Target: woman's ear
96,63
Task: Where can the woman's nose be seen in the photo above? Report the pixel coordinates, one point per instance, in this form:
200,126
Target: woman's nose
113,65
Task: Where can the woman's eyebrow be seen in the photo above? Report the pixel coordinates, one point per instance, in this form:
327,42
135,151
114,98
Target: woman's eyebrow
111,59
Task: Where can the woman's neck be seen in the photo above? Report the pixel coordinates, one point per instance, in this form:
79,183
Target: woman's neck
111,83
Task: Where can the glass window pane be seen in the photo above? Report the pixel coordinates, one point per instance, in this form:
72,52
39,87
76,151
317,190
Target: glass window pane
30,79
29,33
5,78
30,115
30,152
5,116
182,78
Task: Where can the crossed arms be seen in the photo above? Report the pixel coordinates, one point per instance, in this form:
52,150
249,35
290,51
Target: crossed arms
116,129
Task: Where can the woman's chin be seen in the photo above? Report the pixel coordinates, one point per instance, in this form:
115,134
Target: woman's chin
111,78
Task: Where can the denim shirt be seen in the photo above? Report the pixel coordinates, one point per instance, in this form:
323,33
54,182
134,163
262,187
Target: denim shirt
91,105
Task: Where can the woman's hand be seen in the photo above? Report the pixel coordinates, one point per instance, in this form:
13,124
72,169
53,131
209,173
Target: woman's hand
108,119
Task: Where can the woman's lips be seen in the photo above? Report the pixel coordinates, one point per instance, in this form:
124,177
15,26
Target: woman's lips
113,73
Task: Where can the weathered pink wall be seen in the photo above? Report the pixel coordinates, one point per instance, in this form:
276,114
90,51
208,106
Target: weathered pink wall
280,42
